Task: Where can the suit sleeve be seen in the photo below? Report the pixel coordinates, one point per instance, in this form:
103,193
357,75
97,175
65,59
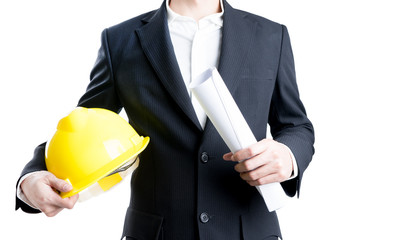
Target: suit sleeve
287,118
36,164
100,93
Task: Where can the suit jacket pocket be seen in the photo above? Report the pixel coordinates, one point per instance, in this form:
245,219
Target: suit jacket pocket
260,226
142,226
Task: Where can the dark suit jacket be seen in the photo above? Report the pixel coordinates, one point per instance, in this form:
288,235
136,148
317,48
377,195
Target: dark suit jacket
182,188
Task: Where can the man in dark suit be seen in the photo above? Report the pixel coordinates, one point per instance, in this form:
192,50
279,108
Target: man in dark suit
187,185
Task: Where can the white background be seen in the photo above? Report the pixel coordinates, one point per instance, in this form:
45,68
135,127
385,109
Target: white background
354,62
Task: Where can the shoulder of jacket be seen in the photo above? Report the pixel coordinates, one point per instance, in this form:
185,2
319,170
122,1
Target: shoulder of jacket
133,23
263,23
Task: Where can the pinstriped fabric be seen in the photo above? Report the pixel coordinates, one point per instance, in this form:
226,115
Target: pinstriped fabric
160,53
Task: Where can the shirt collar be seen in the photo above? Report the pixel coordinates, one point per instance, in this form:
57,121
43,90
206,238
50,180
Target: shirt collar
215,18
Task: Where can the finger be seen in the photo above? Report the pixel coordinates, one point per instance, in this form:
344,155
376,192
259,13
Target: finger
62,186
59,184
251,151
58,205
68,202
257,173
265,180
227,156
252,163
265,175
51,211
71,201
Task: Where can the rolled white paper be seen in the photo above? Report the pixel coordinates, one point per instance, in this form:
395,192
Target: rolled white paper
222,110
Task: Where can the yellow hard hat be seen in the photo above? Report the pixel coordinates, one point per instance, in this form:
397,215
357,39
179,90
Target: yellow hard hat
93,145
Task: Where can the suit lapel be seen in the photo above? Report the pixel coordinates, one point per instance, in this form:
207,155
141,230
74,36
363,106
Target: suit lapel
237,39
157,46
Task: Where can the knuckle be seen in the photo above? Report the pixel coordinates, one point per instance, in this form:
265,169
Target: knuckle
52,213
261,181
48,214
237,168
48,211
60,185
252,175
251,183
71,205
283,175
250,152
277,164
248,165
43,200
274,154
48,176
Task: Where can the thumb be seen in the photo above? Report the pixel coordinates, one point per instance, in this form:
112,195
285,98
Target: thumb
59,184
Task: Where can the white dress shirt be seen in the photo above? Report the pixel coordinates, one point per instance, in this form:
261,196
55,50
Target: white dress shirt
197,47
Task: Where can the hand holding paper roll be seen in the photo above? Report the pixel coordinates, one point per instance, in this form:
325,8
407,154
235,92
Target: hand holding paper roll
220,107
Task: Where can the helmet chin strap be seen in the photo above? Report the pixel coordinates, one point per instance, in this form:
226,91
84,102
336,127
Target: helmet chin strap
110,180
125,166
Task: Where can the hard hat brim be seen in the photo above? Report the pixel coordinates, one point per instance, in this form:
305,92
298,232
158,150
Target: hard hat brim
108,169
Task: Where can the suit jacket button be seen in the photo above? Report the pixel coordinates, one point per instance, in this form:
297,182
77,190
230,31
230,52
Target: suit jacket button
204,157
204,218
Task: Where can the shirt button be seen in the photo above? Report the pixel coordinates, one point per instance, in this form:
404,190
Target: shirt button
204,218
204,157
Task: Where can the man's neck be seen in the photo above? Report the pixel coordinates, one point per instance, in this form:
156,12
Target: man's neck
195,9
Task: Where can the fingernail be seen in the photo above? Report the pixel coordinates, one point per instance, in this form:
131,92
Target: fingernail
67,188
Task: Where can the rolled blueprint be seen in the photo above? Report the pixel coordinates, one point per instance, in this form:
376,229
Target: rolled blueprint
218,104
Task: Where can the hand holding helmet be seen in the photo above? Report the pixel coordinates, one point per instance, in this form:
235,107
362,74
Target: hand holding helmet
91,151
42,191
